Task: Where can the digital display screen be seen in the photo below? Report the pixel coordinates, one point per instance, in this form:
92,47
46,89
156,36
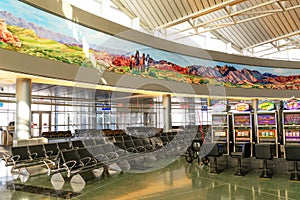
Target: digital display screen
241,120
219,120
220,133
267,133
291,118
242,133
292,133
266,119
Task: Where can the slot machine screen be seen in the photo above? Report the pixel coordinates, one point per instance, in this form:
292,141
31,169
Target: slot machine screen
220,133
219,120
266,119
241,120
291,118
267,133
292,135
242,135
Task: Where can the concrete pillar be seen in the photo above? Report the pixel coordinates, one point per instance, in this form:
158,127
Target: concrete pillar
23,110
167,113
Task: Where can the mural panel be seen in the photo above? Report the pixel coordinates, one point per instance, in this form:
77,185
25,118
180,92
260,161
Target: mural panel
29,30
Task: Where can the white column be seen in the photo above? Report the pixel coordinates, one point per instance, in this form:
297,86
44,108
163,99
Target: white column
207,40
135,23
167,113
228,48
105,8
23,110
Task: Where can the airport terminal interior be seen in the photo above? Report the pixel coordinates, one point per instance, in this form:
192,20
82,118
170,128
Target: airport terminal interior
116,99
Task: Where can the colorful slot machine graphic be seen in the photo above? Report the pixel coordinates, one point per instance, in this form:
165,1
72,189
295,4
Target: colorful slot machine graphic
242,118
220,125
266,124
291,121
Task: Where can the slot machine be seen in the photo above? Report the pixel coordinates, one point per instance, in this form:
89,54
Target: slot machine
242,126
267,126
220,126
291,122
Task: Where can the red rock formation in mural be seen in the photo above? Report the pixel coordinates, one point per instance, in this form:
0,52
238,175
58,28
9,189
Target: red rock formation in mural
6,36
121,61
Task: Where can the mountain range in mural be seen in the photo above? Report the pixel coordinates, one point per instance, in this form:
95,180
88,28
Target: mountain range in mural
42,32
26,37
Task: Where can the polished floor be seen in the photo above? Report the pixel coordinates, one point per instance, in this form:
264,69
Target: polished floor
179,180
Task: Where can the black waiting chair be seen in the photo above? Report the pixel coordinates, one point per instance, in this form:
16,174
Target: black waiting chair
37,152
241,151
214,150
64,146
89,142
51,150
73,163
77,144
292,154
264,152
20,157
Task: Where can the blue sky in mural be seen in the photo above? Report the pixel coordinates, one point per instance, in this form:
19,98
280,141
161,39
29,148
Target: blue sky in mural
81,34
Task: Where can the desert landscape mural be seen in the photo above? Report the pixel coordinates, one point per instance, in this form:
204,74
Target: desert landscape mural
26,29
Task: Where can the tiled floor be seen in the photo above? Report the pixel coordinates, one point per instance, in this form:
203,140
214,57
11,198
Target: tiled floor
177,181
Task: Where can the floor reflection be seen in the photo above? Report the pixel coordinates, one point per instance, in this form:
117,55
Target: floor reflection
178,180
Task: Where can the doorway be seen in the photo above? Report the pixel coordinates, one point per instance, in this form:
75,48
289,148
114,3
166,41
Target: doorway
41,122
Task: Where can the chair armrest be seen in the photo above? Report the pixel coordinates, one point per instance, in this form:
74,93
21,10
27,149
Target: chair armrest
69,168
33,155
149,147
48,162
15,158
112,155
70,164
49,153
86,160
132,150
101,158
121,152
51,166
143,149
9,160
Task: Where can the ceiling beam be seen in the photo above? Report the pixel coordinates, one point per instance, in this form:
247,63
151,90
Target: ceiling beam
232,15
275,39
288,44
200,13
270,53
216,26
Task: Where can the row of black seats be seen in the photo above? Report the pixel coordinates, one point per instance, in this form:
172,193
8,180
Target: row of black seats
96,133
102,149
71,157
73,161
24,156
263,151
57,134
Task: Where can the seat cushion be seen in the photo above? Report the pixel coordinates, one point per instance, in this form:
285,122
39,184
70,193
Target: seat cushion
237,154
292,152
